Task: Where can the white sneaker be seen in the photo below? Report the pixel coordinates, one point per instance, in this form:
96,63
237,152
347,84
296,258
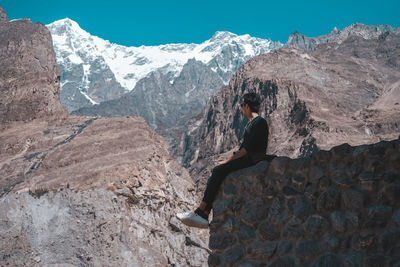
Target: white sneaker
192,219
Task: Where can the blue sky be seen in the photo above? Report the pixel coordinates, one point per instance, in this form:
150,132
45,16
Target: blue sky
134,23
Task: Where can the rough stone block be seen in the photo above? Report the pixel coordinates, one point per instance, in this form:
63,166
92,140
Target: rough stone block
390,240
286,261
328,260
329,199
229,189
396,217
367,176
352,218
333,241
311,191
353,260
268,231
342,149
375,260
302,208
315,173
246,233
299,182
284,247
221,205
338,221
316,225
222,240
364,241
390,194
229,225
369,186
248,263
342,180
289,192
359,150
233,254
380,148
262,249
307,249
214,260
324,183
353,199
278,166
254,211
293,232
259,168
277,212
299,165
378,216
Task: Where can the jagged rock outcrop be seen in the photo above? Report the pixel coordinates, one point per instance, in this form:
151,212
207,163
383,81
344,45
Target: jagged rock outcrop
302,42
82,191
336,208
29,73
338,93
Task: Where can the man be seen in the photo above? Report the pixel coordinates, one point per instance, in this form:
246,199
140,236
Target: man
252,150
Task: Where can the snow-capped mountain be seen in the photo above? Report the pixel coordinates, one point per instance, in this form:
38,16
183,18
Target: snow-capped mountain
95,70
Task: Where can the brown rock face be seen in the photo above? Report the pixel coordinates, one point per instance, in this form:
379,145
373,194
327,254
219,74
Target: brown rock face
29,74
338,93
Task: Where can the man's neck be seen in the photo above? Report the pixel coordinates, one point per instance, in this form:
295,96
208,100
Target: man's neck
252,116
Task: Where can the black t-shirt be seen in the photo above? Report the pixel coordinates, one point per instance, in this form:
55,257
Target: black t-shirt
255,138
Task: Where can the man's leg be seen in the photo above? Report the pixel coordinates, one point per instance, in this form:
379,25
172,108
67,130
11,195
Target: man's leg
199,218
217,177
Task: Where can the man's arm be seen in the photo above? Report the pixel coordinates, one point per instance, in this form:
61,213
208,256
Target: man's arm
241,153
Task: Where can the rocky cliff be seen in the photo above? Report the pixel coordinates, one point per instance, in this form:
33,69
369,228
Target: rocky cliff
344,92
82,191
29,73
336,208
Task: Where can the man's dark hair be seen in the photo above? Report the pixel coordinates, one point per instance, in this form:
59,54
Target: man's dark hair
253,100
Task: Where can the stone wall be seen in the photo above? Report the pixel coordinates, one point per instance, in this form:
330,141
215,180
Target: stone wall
336,208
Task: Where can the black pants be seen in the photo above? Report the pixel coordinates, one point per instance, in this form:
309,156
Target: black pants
218,175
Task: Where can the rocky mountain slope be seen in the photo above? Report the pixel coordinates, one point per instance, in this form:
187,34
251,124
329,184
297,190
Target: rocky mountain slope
337,93
165,106
82,190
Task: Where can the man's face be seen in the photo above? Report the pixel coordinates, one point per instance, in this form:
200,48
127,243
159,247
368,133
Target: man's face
245,108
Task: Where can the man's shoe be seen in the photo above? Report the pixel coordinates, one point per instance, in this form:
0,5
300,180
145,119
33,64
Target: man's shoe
192,219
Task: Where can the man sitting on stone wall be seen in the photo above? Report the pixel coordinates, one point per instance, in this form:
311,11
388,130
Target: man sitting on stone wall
252,150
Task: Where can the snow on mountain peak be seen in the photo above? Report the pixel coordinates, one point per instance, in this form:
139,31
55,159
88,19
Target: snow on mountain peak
130,64
218,35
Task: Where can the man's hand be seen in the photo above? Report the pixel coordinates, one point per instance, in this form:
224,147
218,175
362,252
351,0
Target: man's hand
222,162
242,152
